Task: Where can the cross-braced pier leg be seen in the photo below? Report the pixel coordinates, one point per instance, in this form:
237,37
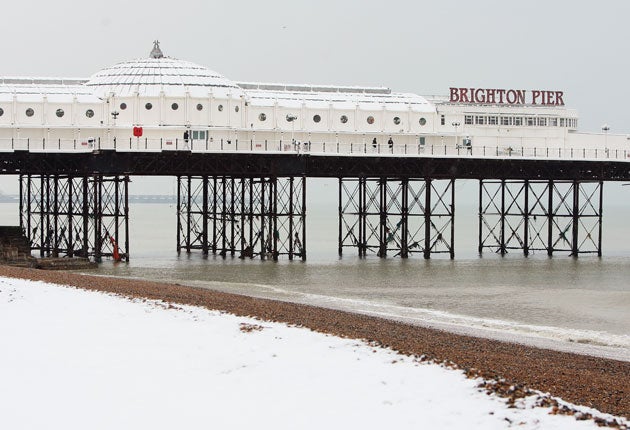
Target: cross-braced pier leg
246,216
396,216
503,215
76,216
439,217
111,216
192,210
535,215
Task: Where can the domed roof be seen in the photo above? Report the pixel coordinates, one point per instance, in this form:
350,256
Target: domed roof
156,74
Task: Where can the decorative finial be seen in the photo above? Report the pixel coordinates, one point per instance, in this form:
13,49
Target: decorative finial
156,52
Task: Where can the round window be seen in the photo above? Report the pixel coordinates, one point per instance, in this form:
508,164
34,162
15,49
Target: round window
123,106
236,108
396,120
1,111
89,113
262,117
370,120
423,121
30,112
199,106
317,118
59,113
174,106
220,107
148,106
343,119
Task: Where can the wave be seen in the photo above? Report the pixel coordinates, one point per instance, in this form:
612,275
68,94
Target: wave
590,342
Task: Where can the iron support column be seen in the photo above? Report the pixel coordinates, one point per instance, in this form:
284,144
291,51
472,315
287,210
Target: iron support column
427,218
303,216
404,227
382,239
204,216
179,215
452,250
576,219
601,199
340,218
480,242
290,244
550,211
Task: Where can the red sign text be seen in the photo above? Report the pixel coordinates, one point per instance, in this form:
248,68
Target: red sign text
506,97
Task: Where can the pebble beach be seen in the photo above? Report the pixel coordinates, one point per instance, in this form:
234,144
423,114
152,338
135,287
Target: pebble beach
594,382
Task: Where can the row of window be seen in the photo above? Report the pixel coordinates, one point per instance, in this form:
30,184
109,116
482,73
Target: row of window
343,119
175,106
59,112
468,119
261,117
530,121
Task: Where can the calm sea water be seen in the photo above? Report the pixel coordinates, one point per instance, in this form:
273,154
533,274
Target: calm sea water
565,303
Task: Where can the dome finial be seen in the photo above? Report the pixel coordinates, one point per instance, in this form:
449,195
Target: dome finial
156,52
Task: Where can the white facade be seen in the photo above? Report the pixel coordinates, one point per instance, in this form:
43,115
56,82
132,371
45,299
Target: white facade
173,99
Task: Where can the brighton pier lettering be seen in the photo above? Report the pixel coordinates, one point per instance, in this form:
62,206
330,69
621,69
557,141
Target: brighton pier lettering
509,97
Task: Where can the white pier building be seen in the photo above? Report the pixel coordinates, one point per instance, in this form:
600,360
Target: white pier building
161,103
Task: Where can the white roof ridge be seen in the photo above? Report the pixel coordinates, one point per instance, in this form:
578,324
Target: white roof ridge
312,88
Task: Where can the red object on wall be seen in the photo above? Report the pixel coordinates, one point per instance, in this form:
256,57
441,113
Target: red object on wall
137,131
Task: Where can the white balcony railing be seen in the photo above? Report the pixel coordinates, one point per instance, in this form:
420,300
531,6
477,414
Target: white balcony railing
316,148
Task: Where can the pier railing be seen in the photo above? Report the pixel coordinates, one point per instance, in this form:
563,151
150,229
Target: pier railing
316,148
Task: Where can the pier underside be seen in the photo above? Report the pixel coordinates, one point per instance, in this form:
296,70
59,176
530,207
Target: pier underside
397,216
68,216
254,205
247,217
540,216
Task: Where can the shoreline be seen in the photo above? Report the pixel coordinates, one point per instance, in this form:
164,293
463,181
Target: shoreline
462,327
591,381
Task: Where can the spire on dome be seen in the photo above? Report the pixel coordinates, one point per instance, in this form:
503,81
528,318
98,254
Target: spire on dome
156,52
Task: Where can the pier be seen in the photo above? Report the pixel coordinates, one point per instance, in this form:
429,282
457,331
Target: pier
251,202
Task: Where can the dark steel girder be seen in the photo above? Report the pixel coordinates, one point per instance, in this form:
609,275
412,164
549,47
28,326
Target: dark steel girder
283,165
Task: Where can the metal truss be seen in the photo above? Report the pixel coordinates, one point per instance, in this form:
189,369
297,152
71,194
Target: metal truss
65,216
247,216
396,217
112,163
551,216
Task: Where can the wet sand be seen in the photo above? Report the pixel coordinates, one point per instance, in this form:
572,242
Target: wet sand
596,382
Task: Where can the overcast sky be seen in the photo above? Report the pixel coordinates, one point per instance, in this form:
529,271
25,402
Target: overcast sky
423,47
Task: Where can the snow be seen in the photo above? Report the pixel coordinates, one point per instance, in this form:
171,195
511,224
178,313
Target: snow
75,359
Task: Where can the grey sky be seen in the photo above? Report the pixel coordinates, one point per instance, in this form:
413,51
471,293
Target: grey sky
417,46
423,47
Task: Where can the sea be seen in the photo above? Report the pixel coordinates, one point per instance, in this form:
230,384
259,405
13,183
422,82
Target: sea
570,304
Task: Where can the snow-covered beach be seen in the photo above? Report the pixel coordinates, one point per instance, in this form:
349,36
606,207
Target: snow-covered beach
74,359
